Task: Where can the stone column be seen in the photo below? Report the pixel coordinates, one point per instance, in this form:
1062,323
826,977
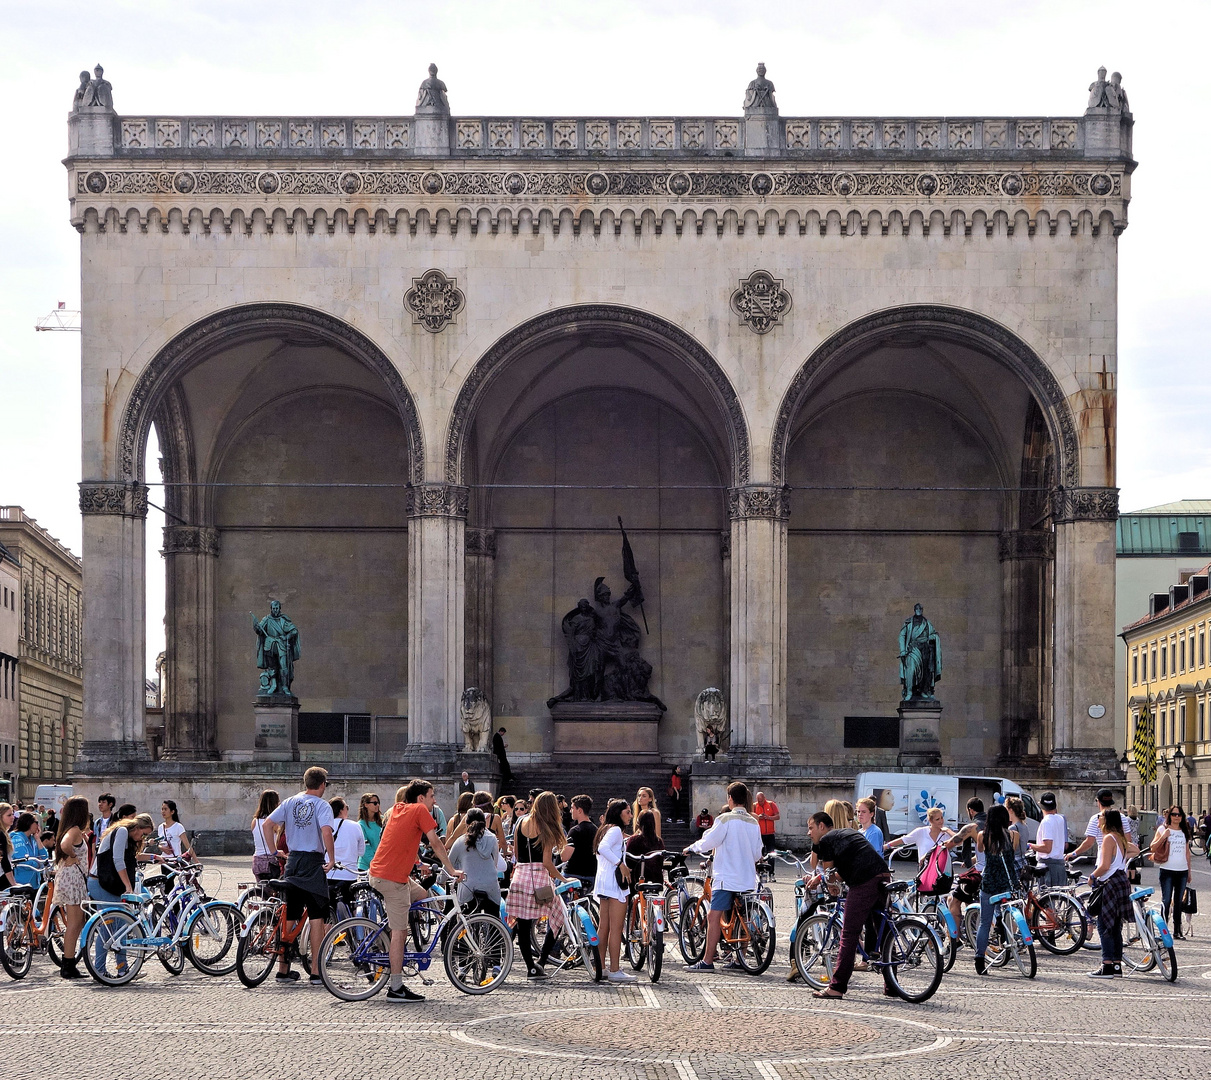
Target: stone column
481,585
1084,628
759,515
115,633
190,717
437,518
1025,555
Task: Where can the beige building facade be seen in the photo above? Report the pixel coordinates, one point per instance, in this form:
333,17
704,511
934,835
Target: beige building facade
10,684
407,372
49,649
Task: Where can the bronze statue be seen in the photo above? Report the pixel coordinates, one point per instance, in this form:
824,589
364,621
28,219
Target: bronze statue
920,657
276,651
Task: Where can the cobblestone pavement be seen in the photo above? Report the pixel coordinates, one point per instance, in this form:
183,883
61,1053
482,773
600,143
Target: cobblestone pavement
721,1026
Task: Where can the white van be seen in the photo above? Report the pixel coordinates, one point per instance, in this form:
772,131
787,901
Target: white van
52,796
906,798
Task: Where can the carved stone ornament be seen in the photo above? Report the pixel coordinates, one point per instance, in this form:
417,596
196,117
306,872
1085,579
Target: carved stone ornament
481,542
126,499
1084,504
190,539
1026,544
761,301
434,300
759,501
437,500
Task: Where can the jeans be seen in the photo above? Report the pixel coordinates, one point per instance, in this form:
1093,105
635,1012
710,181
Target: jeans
985,929
1173,887
95,892
859,905
1110,930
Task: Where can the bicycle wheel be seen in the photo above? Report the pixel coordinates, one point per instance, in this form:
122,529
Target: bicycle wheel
1060,924
107,961
1016,946
817,938
353,959
478,958
688,891
16,949
1166,958
56,930
213,929
691,937
969,924
1139,948
368,903
632,936
912,958
939,925
655,955
755,949
258,948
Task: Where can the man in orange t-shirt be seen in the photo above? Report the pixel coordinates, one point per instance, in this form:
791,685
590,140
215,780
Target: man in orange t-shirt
410,819
766,813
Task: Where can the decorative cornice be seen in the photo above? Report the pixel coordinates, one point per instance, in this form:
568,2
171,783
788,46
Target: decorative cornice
127,499
1084,504
759,501
953,324
437,500
1026,544
190,539
481,542
582,318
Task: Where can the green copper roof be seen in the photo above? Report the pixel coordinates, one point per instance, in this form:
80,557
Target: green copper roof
1177,528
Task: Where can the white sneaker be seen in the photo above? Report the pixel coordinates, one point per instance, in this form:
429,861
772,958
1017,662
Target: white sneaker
621,976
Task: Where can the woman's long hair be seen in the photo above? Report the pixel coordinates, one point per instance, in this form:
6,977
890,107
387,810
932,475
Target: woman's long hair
74,816
997,838
268,804
477,825
364,813
645,826
7,840
840,813
613,816
465,801
1112,823
172,809
635,808
483,800
545,814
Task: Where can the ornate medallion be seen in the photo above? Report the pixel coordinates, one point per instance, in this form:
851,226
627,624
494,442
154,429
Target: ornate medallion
761,301
434,300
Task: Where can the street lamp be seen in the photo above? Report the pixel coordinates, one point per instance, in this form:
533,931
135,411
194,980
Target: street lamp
1178,758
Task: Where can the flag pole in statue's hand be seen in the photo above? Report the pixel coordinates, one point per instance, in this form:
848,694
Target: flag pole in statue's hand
631,573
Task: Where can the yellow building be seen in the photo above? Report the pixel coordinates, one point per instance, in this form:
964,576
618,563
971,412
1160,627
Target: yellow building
1169,670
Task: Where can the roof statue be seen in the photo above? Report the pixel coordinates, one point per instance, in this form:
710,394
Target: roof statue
431,99
760,94
1109,95
96,92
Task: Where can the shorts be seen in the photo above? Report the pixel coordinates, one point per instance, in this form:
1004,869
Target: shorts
398,898
297,899
721,900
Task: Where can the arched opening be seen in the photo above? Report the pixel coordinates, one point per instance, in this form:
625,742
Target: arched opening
571,422
920,447
286,441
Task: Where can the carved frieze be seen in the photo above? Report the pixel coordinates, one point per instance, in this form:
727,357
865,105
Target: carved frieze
437,500
434,300
759,501
481,542
1026,544
761,301
190,539
127,499
1084,504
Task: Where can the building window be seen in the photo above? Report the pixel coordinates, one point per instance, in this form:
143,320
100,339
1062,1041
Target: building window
1135,669
1202,648
1164,660
1202,720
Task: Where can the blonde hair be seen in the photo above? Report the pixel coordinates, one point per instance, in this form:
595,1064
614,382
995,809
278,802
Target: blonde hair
841,814
8,841
935,811
636,808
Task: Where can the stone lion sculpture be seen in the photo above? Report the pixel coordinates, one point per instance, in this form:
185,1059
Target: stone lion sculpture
476,716
710,717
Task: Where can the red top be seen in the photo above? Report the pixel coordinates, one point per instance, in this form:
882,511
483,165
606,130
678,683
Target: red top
764,812
403,831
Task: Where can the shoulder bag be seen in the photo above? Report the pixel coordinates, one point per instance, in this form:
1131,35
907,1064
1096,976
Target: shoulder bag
1160,847
934,878
1093,902
1189,902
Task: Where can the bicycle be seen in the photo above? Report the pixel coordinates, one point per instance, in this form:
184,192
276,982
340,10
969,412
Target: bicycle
935,911
1057,919
1010,936
907,950
268,936
646,919
746,931
27,921
1150,944
477,951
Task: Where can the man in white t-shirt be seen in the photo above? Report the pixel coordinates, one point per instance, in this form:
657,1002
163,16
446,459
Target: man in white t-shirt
1093,832
307,820
1051,840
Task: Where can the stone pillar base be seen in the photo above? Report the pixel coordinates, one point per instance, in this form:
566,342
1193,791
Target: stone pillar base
109,755
1088,763
756,759
920,734
276,733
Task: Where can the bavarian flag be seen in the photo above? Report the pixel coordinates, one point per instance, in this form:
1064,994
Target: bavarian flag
1143,747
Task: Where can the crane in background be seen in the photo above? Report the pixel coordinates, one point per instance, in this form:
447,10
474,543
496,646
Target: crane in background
60,319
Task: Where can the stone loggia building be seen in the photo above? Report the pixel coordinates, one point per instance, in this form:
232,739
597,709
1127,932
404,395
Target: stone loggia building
406,371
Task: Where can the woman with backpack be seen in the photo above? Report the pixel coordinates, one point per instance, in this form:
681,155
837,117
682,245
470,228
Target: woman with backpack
1171,857
999,845
925,838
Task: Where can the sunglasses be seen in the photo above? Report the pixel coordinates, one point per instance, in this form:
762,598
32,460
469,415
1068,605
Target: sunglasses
373,802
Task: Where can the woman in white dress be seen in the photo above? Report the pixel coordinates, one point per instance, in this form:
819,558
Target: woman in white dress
611,895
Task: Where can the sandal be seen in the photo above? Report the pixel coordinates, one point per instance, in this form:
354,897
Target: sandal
827,995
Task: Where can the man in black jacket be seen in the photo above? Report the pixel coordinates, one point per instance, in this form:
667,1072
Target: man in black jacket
499,746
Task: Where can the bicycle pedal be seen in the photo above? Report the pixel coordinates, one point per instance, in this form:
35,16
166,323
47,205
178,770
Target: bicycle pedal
426,981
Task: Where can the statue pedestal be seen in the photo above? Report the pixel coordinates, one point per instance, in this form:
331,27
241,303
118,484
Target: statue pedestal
276,729
606,729
920,733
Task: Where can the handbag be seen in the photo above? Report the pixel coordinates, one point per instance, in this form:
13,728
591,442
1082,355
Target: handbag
1189,902
622,876
1160,848
544,894
1093,904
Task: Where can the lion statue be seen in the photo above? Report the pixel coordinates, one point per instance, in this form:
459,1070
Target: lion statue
476,716
710,718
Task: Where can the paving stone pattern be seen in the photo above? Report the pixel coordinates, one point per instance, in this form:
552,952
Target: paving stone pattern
721,1026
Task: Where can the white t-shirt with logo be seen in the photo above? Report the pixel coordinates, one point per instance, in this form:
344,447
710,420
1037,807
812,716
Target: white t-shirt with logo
303,816
1178,855
1053,827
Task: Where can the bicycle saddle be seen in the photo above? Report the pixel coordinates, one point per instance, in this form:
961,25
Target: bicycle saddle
277,885
899,886
652,887
18,891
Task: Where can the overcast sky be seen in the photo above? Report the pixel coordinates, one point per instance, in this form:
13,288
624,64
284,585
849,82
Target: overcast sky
647,58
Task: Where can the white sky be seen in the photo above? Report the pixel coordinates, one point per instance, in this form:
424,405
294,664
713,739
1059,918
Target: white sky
649,58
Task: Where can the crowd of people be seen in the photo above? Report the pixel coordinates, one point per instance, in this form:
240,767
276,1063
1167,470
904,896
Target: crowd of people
318,848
